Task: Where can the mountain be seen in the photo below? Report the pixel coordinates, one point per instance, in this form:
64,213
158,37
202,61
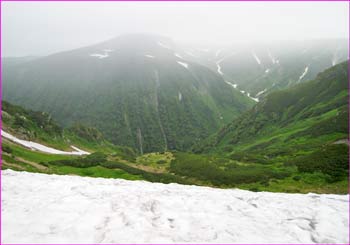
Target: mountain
258,69
136,89
290,123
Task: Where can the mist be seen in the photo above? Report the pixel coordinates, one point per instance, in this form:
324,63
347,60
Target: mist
42,28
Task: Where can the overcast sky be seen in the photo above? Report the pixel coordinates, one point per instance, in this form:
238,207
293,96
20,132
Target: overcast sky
41,28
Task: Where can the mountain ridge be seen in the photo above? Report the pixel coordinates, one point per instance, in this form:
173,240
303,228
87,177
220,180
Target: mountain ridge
314,112
143,96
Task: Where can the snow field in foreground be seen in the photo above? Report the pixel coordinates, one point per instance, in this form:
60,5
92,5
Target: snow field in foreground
39,208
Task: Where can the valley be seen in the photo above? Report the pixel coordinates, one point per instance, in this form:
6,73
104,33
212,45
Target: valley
179,118
291,141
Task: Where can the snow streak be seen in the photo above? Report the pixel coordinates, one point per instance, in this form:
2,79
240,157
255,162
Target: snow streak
304,73
39,147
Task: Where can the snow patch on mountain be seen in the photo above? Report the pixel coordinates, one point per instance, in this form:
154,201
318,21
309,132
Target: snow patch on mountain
255,99
256,58
274,61
103,55
261,92
100,56
40,208
248,95
178,56
163,45
334,61
335,57
304,73
39,147
231,84
183,64
219,69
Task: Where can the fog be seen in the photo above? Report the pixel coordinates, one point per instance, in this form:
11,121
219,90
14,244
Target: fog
41,28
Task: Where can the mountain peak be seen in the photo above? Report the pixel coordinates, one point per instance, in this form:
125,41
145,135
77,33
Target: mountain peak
140,41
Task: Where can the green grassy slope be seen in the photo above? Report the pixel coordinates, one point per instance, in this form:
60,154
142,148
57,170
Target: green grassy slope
289,122
296,129
106,160
41,128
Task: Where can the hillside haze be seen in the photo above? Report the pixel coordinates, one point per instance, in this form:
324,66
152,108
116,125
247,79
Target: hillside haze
256,69
136,89
153,94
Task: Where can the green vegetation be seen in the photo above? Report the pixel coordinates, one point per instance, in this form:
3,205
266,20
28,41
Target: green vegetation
301,183
96,171
153,104
87,133
100,159
331,160
288,128
288,123
39,127
15,164
32,125
149,176
295,140
94,159
158,162
222,172
6,148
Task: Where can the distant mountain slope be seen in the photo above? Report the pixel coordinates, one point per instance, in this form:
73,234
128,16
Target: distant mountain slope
289,123
135,89
28,124
266,67
9,61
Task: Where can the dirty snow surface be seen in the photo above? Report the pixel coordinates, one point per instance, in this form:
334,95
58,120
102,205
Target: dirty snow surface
39,208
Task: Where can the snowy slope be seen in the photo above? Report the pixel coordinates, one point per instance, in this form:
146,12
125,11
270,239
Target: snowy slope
38,208
39,147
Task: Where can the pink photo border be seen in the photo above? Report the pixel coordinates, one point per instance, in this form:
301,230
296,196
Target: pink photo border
159,1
